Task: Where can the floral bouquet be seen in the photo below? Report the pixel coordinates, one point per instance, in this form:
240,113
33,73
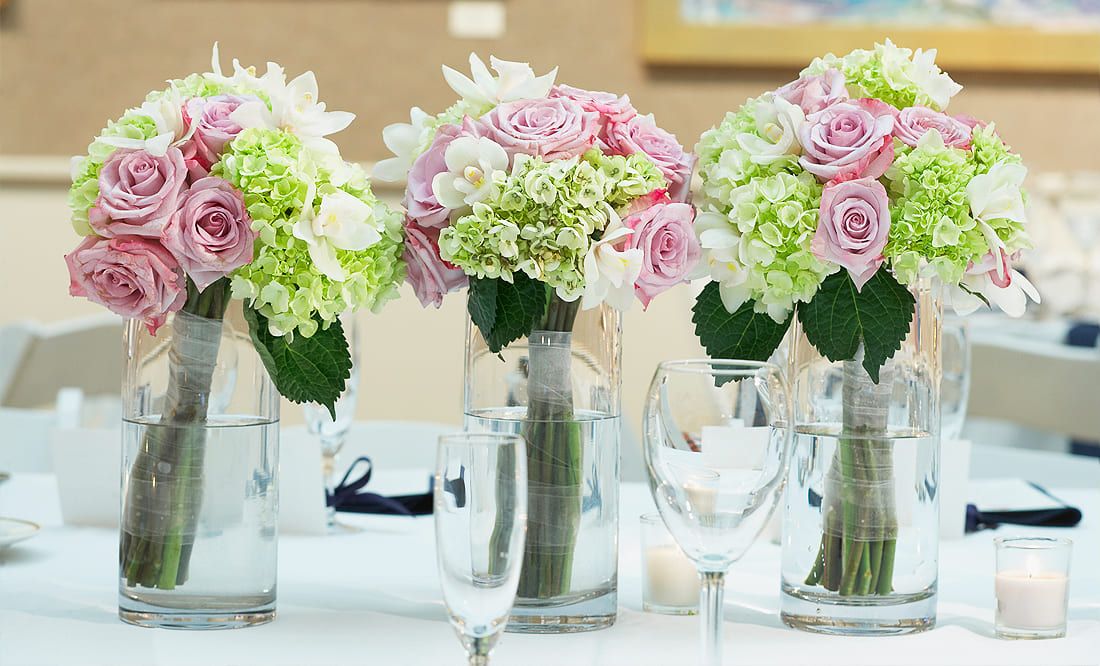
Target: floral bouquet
221,187
828,200
543,200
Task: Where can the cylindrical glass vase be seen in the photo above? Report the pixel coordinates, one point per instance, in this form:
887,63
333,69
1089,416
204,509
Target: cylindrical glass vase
861,526
199,476
559,389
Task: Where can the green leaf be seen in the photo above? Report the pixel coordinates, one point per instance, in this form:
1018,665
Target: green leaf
313,369
840,317
745,334
506,311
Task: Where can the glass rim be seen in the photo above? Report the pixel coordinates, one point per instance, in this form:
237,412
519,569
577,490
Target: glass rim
479,438
720,367
1032,542
651,518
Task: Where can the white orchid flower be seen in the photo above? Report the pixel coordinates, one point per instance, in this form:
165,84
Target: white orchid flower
343,222
516,81
295,109
167,114
473,167
610,273
998,283
405,141
245,77
997,194
720,242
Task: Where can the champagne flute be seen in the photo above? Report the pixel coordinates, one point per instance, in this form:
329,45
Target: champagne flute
333,433
480,525
717,436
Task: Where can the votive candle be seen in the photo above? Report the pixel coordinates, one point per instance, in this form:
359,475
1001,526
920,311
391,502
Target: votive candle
1032,586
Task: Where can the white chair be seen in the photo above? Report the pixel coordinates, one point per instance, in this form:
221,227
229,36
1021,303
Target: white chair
1036,384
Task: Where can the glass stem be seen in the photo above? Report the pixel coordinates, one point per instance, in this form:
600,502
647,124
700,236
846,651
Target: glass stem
478,649
711,595
330,447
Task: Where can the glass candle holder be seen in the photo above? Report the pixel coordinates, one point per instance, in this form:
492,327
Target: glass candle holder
670,582
1032,586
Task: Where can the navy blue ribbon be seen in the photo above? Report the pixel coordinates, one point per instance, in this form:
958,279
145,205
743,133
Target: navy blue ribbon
347,497
1063,516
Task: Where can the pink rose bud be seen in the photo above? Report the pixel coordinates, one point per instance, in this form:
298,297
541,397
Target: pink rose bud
853,227
211,233
670,249
553,128
137,192
213,126
848,139
915,121
129,275
430,276
640,134
814,93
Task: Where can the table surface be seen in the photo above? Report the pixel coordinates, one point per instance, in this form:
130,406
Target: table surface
370,594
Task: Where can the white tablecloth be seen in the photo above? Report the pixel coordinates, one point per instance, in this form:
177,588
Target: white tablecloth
371,597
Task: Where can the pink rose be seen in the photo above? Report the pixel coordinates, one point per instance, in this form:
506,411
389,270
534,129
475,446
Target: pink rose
137,192
848,140
915,121
640,134
853,227
670,249
192,161
430,276
129,275
996,266
211,233
213,126
612,108
554,128
814,93
970,121
420,200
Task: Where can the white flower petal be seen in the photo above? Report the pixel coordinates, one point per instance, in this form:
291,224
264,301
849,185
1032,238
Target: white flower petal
462,85
324,257
448,196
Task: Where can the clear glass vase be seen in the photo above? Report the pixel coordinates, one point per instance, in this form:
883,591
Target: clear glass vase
199,475
559,389
861,525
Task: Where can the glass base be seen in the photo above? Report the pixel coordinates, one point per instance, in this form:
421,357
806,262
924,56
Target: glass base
1012,633
588,613
196,614
828,613
661,609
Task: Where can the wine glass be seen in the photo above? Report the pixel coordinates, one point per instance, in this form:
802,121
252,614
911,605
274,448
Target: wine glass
334,432
717,436
480,525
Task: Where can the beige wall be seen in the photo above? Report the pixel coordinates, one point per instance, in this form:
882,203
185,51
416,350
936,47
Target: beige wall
66,66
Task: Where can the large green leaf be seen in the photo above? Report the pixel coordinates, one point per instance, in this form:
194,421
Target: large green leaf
313,369
506,311
744,335
840,317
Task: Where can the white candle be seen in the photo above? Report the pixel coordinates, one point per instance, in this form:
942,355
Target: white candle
1031,601
702,498
670,578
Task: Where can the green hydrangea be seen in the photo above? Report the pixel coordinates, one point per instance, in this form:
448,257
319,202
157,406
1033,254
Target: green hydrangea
273,171
543,215
767,226
895,75
930,220
724,165
988,149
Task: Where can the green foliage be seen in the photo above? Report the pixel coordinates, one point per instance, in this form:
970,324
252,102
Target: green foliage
506,311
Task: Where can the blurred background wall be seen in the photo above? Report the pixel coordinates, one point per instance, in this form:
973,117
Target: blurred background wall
66,66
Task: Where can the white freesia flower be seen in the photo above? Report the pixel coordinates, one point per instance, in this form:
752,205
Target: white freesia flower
167,114
473,167
405,141
610,273
777,123
295,109
343,222
998,283
921,71
516,81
